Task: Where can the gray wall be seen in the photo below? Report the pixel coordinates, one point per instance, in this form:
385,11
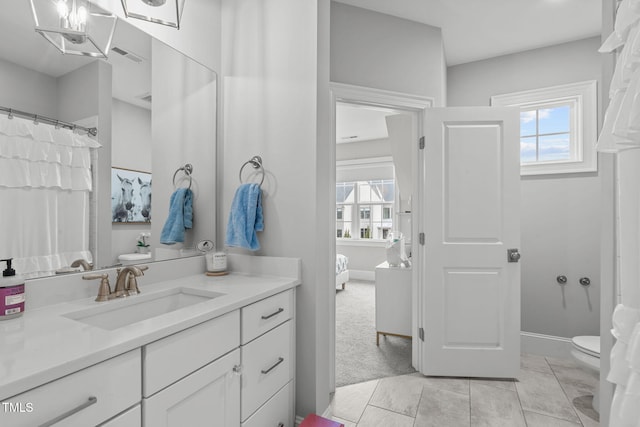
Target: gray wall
27,90
381,51
560,213
278,108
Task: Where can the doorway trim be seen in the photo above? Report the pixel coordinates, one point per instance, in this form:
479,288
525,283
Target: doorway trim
340,92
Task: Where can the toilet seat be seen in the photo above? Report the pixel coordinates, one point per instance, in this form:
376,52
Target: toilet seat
587,344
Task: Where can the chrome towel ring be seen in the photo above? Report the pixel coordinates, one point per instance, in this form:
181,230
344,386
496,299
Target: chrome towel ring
188,170
256,163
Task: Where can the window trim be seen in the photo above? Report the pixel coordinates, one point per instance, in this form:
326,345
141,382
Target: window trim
583,97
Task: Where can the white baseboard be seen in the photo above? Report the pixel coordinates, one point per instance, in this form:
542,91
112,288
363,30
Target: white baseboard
545,345
362,274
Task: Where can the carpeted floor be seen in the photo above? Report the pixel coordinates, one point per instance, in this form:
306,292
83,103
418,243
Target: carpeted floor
358,359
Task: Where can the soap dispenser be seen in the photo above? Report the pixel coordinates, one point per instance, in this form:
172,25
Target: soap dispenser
11,293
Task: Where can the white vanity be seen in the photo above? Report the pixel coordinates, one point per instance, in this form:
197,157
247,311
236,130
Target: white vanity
228,360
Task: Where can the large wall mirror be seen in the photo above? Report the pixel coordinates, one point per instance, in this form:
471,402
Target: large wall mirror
155,111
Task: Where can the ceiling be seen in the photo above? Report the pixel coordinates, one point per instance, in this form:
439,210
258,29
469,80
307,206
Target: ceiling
473,30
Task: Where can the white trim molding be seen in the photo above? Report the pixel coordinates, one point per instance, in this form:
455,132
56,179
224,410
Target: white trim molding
340,92
545,345
583,99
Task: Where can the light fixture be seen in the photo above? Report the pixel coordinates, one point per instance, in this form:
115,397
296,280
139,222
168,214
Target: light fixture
165,12
74,27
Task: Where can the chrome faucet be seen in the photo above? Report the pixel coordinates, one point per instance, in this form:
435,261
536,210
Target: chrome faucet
126,283
82,262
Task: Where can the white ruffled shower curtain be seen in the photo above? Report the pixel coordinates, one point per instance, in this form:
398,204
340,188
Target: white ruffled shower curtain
621,131
45,184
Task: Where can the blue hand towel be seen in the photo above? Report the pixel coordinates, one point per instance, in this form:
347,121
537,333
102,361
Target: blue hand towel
245,218
180,217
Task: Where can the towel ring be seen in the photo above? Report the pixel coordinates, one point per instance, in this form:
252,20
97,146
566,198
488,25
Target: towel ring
256,162
188,170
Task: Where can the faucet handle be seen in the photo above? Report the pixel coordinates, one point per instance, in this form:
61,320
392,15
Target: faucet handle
105,288
132,282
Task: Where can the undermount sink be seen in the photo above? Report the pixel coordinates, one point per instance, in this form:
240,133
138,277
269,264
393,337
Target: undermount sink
118,313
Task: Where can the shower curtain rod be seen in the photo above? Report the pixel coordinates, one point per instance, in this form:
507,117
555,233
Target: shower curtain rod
37,118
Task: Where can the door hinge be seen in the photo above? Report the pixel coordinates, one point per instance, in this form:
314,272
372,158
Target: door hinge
421,143
421,333
421,238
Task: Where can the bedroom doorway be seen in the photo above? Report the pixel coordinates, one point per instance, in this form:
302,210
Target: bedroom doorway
374,131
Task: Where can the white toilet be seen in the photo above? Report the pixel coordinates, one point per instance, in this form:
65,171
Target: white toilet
134,258
586,350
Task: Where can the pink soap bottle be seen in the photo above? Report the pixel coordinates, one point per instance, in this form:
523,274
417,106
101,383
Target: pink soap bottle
11,293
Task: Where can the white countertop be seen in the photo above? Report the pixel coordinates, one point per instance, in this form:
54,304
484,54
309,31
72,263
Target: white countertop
42,345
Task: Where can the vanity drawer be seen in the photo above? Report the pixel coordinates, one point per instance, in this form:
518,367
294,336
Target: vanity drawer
277,412
267,365
265,315
114,384
169,359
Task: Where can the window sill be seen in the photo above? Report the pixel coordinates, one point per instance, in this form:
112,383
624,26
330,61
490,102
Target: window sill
559,167
361,242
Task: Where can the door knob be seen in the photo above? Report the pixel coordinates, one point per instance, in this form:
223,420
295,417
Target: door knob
513,255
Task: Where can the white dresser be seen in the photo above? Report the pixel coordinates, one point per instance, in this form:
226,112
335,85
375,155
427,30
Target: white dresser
393,301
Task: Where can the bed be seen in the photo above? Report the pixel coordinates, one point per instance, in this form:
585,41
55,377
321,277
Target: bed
342,271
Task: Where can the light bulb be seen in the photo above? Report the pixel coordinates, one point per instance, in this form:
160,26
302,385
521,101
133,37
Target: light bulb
63,12
63,9
81,18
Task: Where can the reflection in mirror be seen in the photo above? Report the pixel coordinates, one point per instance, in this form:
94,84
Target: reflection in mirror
155,111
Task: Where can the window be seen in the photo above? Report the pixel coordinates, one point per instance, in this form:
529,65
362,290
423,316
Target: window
557,128
373,201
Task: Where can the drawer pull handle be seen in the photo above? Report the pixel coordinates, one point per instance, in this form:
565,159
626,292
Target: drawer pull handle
280,360
280,310
67,414
280,424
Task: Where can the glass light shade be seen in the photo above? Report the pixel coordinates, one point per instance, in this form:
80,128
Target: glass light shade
165,12
74,27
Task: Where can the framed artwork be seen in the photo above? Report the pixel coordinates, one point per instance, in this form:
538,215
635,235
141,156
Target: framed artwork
130,196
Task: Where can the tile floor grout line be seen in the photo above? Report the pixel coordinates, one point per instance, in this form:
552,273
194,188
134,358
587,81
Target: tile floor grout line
524,418
469,402
575,410
415,419
368,400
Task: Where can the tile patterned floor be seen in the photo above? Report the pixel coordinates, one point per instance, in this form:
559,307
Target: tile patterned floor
548,393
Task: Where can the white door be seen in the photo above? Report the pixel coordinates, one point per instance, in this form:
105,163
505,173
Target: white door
209,397
470,217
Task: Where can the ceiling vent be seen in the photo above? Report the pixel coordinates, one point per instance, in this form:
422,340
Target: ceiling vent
129,55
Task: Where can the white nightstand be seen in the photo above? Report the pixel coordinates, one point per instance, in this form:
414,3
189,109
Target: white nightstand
393,301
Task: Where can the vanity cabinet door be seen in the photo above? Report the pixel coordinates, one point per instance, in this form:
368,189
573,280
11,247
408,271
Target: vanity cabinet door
208,397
